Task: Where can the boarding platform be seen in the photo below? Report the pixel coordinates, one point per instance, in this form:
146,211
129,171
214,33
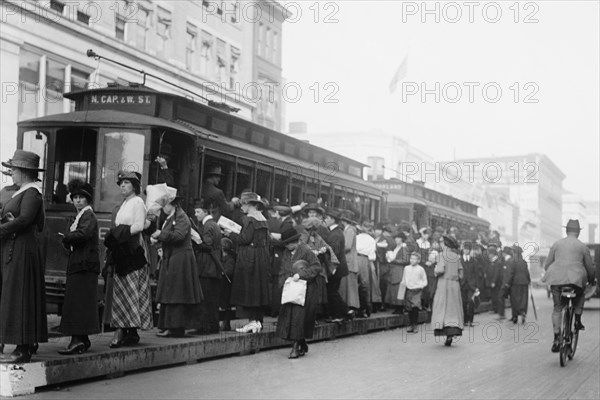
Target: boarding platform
50,368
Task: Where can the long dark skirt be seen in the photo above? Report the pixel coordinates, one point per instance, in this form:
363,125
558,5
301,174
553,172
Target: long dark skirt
298,322
178,316
519,300
80,309
209,308
448,331
23,299
321,283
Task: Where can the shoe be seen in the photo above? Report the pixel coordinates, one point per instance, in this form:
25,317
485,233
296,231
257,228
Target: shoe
131,337
523,319
172,333
22,354
304,347
252,326
514,320
87,343
294,353
411,329
73,348
578,325
448,341
117,342
556,343
361,314
350,315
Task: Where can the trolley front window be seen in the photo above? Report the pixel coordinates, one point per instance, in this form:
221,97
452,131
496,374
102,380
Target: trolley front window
37,142
74,158
121,151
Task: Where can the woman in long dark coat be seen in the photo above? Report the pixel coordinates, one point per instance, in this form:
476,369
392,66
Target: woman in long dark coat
23,298
178,292
250,291
297,322
517,281
80,309
447,317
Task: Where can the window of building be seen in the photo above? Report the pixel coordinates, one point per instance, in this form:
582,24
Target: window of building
274,54
234,66
120,26
206,53
83,17
221,62
55,77
234,15
190,47
261,33
163,31
141,28
29,78
57,6
268,38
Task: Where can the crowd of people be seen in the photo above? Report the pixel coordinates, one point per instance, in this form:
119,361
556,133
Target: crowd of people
234,259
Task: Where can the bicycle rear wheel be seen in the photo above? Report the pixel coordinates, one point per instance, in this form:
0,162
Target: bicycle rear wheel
574,341
565,338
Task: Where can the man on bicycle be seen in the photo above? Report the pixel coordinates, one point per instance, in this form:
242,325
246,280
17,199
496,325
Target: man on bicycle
569,265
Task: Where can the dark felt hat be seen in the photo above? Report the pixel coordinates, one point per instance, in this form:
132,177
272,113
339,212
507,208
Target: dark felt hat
289,236
573,225
129,176
451,242
313,207
348,216
332,212
252,198
77,186
214,170
24,160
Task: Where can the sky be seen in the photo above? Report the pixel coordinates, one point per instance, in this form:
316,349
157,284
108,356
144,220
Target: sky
543,56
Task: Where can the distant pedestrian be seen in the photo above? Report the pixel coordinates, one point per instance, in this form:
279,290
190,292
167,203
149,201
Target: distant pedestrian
447,316
414,280
517,280
296,322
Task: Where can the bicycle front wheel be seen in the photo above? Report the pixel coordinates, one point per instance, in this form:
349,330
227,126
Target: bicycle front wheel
565,335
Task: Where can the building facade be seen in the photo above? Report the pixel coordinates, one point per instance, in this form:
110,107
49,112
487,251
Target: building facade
205,47
533,182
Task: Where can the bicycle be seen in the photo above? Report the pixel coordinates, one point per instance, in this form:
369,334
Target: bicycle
569,334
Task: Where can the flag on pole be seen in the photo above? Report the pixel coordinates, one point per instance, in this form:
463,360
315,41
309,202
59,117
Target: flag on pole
400,74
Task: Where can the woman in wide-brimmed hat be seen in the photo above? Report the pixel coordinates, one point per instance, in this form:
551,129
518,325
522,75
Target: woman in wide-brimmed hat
178,291
447,316
23,299
129,306
297,322
80,308
250,291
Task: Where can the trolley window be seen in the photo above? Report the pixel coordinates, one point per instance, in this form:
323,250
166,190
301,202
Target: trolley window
74,158
121,151
263,180
37,142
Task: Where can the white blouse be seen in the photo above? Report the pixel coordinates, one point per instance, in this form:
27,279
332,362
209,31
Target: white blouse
132,212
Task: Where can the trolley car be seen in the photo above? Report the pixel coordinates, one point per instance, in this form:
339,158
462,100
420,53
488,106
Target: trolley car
127,127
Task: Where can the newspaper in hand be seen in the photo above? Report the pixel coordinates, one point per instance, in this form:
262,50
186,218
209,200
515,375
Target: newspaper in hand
226,223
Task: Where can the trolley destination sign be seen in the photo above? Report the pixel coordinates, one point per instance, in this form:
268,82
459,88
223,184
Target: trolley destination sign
131,102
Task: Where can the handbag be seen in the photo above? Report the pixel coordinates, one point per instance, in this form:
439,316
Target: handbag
294,292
